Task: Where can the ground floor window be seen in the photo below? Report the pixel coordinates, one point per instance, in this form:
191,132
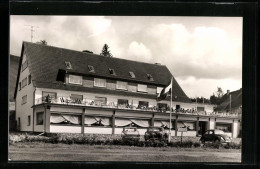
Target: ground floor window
97,121
39,118
29,121
65,119
120,122
19,122
226,127
191,126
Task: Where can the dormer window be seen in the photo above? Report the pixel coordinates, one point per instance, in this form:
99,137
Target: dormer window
91,69
112,71
68,65
132,74
150,77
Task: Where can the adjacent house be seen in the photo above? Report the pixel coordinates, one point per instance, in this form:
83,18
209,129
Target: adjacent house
13,69
65,91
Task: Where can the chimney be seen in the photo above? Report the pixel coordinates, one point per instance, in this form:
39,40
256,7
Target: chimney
228,91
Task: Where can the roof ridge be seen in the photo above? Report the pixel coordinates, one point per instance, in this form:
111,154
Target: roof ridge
94,54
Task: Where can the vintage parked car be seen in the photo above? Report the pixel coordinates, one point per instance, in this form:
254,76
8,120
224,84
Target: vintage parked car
130,133
155,133
215,136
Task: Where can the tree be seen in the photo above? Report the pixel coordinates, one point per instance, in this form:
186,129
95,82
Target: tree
42,42
219,92
106,51
216,99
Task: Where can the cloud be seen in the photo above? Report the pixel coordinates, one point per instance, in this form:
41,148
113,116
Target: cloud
138,51
205,87
205,52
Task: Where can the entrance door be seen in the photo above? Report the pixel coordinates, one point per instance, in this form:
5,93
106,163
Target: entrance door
202,127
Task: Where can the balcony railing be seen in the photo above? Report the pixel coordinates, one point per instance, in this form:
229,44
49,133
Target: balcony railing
92,103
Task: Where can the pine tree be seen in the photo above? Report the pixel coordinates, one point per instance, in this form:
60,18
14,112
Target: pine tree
106,51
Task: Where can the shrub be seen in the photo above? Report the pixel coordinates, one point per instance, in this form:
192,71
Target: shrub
233,145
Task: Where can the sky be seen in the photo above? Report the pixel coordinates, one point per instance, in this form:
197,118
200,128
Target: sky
202,53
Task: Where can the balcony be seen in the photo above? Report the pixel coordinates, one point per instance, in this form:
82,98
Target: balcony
92,103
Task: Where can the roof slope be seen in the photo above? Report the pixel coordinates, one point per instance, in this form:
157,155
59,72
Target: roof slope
236,100
45,61
13,70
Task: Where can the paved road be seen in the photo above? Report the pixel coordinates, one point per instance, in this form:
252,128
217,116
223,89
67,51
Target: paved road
124,153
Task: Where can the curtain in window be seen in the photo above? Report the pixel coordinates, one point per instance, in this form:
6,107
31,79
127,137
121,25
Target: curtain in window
122,122
141,123
180,124
158,124
56,119
121,85
100,82
105,121
72,118
142,88
167,124
190,125
90,120
75,79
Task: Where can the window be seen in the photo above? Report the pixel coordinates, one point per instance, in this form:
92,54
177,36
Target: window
29,79
19,122
68,65
141,88
200,108
162,107
159,89
143,104
20,86
99,82
150,77
226,127
76,98
24,99
24,82
52,95
74,79
132,74
91,69
99,101
24,65
112,71
39,118
122,102
29,121
121,85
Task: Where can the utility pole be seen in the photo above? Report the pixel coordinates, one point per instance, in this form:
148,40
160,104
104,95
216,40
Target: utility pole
32,30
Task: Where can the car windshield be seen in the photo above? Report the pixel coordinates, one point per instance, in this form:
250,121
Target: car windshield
155,129
219,132
130,130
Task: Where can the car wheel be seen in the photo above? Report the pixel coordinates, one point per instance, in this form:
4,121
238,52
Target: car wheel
202,141
217,141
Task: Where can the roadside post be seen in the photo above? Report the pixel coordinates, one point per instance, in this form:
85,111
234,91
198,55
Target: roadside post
182,129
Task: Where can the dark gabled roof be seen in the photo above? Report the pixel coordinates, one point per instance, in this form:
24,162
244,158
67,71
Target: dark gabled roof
236,101
45,61
13,70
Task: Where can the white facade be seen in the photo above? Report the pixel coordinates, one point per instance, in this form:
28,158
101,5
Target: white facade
24,110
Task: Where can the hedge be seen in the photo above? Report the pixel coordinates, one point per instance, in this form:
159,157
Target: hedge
93,139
